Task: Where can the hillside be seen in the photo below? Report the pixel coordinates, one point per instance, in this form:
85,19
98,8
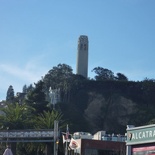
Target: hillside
107,102
110,105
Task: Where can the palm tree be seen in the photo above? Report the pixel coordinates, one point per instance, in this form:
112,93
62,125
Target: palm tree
16,116
45,120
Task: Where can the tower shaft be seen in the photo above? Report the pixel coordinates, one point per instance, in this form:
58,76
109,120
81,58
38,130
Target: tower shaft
82,56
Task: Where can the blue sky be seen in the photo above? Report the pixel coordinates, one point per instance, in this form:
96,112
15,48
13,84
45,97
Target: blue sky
36,35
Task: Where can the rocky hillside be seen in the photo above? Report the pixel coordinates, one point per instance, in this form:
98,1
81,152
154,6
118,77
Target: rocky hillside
111,106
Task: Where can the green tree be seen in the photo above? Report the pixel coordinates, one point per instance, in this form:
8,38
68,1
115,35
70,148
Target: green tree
30,88
46,121
121,77
16,116
148,87
10,94
36,98
47,118
24,89
59,77
56,76
103,74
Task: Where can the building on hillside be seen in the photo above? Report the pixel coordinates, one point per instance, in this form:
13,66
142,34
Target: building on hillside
2,105
54,95
20,97
82,56
140,140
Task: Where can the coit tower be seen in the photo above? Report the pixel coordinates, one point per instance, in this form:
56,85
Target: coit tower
82,56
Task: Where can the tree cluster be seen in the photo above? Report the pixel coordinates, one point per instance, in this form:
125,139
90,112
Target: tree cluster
107,102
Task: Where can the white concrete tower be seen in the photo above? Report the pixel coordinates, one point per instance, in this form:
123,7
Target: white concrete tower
82,56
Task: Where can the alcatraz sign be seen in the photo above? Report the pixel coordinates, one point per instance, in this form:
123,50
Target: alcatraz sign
27,134
139,135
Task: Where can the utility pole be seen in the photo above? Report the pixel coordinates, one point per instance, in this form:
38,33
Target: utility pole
56,134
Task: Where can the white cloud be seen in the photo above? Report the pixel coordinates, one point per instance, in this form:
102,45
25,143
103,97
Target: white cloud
18,72
18,76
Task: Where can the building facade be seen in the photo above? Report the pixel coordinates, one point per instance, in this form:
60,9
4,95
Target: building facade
84,143
97,147
82,56
140,140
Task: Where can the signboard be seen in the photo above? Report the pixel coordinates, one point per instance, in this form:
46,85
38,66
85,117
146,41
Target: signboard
140,135
145,150
27,134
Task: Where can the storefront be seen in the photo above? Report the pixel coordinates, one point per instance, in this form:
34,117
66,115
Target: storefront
98,147
140,140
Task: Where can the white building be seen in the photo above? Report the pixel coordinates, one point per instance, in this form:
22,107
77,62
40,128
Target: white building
82,135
